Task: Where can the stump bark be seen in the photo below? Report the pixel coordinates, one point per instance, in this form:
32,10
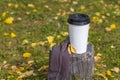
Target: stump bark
82,65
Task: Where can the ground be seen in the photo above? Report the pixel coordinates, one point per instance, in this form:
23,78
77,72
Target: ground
29,28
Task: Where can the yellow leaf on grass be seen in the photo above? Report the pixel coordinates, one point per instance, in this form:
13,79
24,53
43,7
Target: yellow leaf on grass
4,14
26,55
14,68
44,67
95,19
58,36
30,62
20,79
35,10
64,33
97,58
13,35
10,4
107,29
31,5
82,7
21,68
33,44
75,2
11,76
99,54
50,39
72,9
116,69
9,20
101,75
42,43
6,34
112,26
16,5
97,13
52,44
26,74
112,46
108,72
25,41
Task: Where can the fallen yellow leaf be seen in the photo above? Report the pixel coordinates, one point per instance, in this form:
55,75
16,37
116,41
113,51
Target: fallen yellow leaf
116,69
50,39
26,74
30,62
26,55
35,10
97,58
34,44
20,79
95,19
44,67
82,7
107,29
52,44
16,5
112,26
13,35
9,20
42,43
6,34
64,33
4,14
31,5
108,72
25,41
10,4
101,75
71,49
97,13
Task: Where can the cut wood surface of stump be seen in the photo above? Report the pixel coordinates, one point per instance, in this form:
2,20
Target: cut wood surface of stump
82,65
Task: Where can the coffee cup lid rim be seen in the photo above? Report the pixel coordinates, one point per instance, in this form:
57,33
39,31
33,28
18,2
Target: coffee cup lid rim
78,19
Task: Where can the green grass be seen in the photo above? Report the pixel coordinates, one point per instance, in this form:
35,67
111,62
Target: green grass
36,26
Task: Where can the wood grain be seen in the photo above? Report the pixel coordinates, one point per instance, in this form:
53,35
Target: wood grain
82,65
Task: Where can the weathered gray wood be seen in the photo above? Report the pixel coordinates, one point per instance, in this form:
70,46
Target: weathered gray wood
82,65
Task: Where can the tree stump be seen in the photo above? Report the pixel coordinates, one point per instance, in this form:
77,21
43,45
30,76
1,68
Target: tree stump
82,65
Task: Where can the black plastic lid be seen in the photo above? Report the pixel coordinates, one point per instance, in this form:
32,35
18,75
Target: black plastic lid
78,19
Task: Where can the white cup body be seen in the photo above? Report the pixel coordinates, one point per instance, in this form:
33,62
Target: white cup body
79,37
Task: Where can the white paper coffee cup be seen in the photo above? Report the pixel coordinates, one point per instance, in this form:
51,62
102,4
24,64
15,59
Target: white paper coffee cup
78,31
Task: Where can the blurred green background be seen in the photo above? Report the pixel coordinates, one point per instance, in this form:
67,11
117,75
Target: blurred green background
28,29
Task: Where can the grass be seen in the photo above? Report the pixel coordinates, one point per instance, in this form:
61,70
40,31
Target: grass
35,20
